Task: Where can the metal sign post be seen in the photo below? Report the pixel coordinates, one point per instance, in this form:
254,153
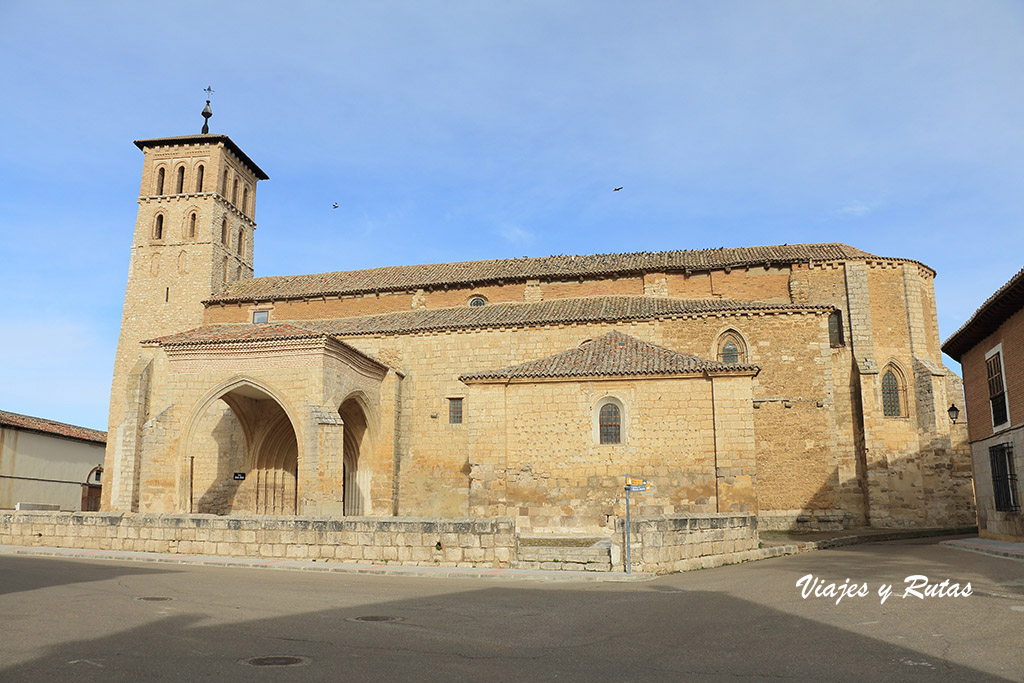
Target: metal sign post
632,484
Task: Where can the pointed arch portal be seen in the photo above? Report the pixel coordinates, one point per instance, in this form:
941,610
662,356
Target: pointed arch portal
242,455
355,493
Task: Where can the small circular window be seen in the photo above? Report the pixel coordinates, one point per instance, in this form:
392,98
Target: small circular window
477,301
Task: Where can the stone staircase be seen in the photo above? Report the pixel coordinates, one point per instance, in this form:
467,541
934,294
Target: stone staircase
564,553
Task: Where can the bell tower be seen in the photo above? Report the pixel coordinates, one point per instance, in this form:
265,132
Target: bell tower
193,238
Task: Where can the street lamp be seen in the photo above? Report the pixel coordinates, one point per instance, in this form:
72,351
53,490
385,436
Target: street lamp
954,412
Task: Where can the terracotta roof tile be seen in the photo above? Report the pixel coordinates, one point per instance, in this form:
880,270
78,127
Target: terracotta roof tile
239,332
402,278
614,354
38,424
556,311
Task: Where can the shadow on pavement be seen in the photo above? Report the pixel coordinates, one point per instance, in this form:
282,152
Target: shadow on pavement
497,634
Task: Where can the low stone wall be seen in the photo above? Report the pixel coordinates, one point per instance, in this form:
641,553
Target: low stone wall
804,520
373,540
672,543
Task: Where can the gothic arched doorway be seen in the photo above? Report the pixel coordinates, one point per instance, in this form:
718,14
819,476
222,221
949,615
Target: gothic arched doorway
242,455
355,476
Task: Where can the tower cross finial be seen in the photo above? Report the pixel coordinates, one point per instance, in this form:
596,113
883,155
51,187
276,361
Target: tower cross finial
209,91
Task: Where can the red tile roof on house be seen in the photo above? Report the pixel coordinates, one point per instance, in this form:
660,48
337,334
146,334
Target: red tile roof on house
468,273
556,311
612,355
38,424
1006,301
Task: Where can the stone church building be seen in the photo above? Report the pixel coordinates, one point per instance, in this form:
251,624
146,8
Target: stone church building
803,383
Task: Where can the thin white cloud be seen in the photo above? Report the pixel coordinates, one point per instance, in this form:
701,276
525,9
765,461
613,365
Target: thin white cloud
855,209
514,234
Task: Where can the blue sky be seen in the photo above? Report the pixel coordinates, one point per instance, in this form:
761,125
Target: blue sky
450,131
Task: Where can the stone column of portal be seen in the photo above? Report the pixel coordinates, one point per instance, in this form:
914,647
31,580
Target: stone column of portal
321,480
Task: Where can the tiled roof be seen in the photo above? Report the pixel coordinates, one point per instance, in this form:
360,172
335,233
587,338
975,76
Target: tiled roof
402,278
38,424
614,354
1007,300
211,334
556,311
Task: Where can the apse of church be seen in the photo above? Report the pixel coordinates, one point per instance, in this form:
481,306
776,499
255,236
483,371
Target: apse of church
803,383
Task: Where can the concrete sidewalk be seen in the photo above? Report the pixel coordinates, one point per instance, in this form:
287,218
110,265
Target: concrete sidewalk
988,546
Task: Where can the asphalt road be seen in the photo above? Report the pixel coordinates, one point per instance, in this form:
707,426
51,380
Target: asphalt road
71,620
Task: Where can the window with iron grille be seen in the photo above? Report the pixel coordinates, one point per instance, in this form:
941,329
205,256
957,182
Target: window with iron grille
996,392
731,348
610,422
891,395
455,411
730,354
1004,478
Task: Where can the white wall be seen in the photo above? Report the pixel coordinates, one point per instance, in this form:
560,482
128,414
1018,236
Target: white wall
40,468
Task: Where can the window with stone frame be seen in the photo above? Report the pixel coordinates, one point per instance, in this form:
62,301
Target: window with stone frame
892,394
835,329
996,389
199,177
732,348
610,423
160,181
180,187
1004,478
158,228
455,411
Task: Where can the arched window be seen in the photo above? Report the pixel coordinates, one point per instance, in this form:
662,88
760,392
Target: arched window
731,348
224,231
192,225
835,329
224,184
158,229
607,421
160,181
892,393
234,193
610,423
730,352
199,178
245,199
241,241
181,180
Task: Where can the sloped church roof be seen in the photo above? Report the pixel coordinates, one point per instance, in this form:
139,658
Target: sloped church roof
469,273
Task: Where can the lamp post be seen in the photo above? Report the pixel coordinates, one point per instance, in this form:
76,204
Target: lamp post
954,412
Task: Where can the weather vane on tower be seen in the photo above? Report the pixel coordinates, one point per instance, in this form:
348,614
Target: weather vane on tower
207,112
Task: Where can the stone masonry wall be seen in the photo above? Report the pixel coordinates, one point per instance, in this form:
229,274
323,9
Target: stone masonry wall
437,457
672,543
391,540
